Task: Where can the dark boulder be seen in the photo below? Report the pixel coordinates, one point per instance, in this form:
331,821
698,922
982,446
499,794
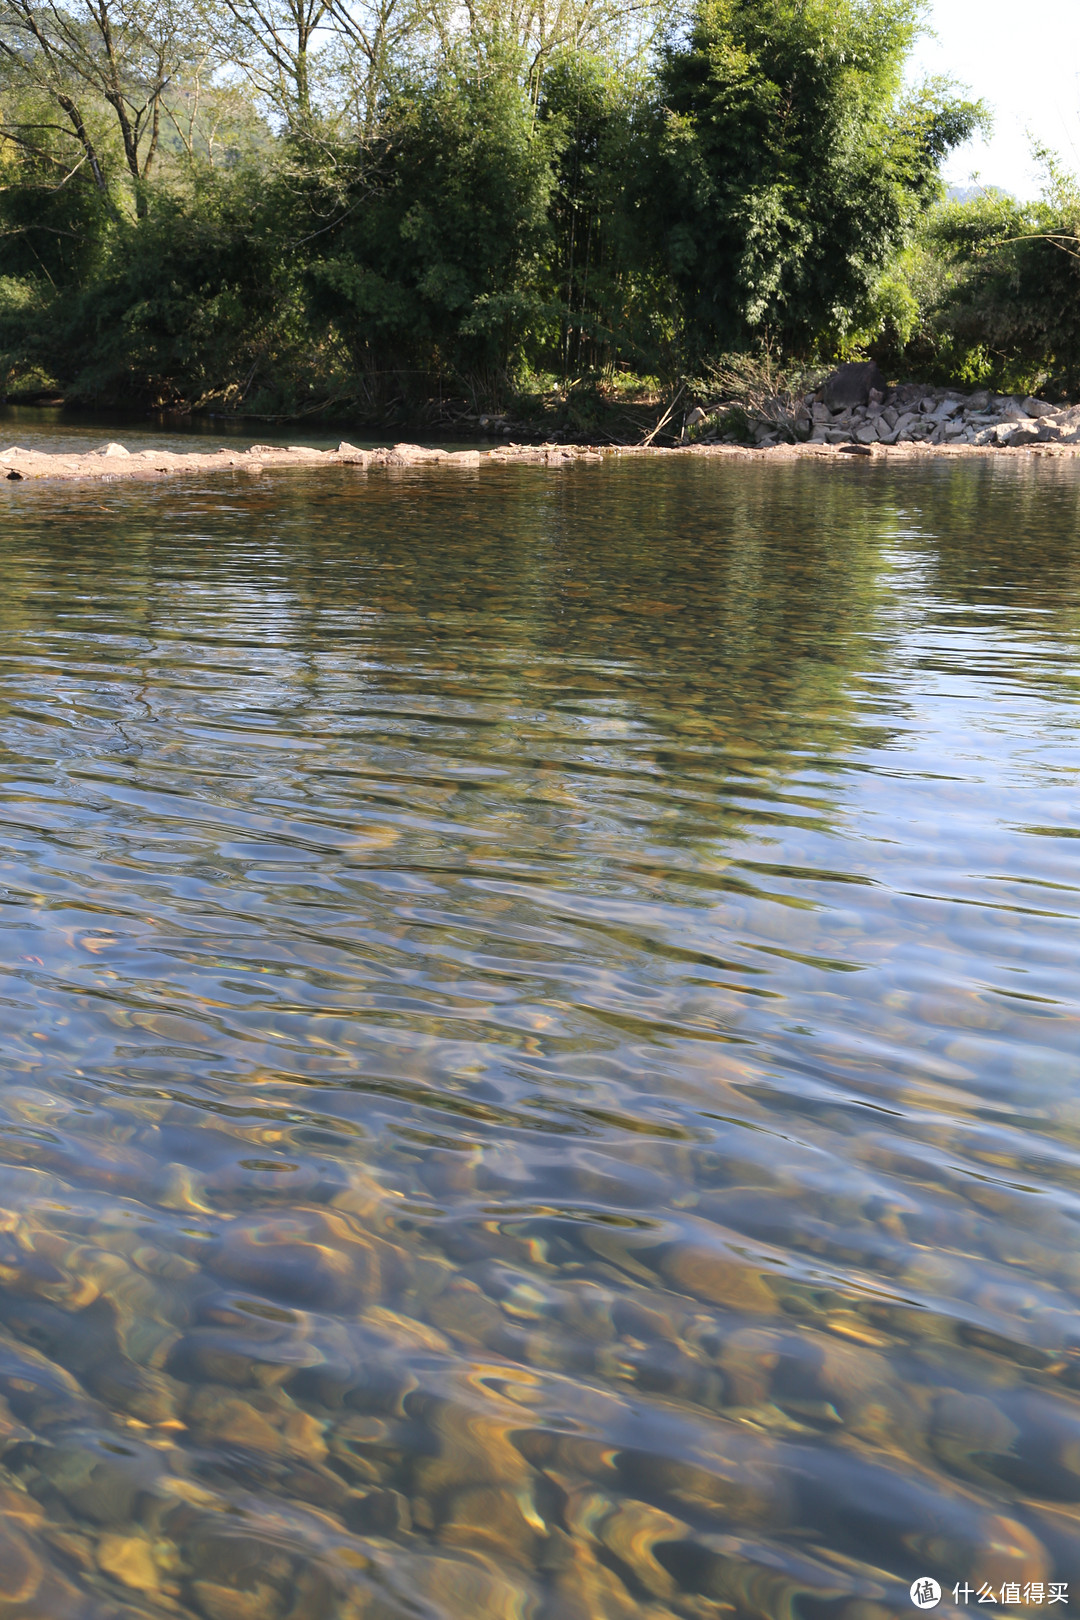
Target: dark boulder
851,384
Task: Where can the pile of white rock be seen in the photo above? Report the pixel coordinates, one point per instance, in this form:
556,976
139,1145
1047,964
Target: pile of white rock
917,415
856,406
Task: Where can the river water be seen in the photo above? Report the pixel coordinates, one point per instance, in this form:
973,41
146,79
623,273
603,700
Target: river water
540,1043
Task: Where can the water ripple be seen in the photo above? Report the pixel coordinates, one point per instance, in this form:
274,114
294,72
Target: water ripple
540,1038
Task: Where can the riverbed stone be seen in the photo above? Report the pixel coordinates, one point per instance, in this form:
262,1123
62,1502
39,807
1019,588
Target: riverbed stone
473,1449
220,1602
468,1591
582,1587
465,1311
129,1560
1011,1552
718,1279
851,384
21,1570
382,1512
310,1257
487,1519
632,1532
221,1416
967,1431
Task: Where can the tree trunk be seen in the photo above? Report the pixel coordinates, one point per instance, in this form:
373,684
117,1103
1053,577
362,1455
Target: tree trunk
83,136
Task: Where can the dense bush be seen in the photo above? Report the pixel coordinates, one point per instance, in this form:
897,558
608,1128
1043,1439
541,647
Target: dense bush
792,169
436,262
988,294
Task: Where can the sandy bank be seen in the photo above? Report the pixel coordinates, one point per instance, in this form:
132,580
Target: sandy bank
114,461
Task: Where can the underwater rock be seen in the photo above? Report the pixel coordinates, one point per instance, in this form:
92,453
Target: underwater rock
21,1570
468,1591
473,1448
583,1588
718,1279
129,1560
307,1257
632,1532
219,1602
488,1519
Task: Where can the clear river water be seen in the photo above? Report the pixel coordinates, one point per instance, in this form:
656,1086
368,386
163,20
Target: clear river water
540,1037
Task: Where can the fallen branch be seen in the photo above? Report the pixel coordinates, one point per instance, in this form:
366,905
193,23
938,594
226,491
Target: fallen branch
665,419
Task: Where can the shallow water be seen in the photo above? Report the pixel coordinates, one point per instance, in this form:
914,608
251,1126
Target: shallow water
540,1043
72,432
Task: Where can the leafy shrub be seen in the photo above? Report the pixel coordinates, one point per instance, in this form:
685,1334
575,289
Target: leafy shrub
988,295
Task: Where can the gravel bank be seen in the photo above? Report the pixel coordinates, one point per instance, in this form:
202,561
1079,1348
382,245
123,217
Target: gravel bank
113,461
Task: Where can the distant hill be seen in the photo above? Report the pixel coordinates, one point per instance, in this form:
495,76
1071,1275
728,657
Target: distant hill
963,194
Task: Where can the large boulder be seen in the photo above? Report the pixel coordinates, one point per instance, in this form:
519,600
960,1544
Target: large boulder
850,385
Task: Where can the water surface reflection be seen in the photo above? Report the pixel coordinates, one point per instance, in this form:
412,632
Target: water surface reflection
540,1041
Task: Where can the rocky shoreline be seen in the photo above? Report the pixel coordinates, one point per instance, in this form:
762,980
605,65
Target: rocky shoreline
114,462
917,415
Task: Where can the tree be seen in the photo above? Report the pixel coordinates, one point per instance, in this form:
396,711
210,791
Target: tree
376,45
790,167
611,289
275,43
122,55
435,264
322,198
989,293
482,38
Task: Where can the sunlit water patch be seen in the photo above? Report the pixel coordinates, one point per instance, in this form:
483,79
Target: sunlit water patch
540,1044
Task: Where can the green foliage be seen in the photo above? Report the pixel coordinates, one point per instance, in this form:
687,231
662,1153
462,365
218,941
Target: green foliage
516,196
182,304
995,289
435,263
613,298
55,221
791,170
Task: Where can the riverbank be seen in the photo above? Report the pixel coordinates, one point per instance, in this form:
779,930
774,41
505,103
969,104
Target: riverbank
114,461
857,406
